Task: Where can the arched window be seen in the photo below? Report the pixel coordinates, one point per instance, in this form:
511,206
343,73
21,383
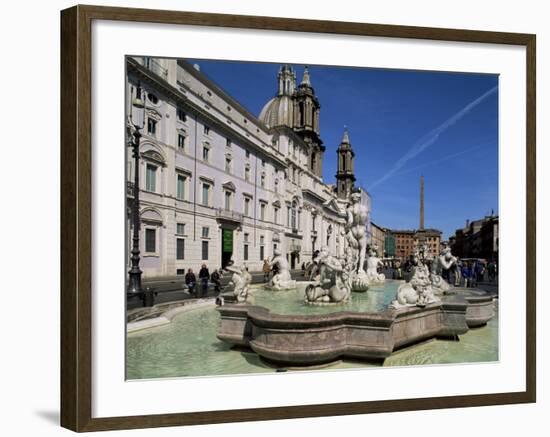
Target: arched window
294,215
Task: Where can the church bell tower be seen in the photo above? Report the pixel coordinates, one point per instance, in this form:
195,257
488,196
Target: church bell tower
345,177
306,122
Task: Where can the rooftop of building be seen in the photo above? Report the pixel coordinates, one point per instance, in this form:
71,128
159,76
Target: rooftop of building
427,231
202,77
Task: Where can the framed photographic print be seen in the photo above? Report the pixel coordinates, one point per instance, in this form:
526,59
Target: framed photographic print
337,216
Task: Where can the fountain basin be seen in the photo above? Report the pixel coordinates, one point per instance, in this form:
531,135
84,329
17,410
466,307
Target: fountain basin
305,340
480,308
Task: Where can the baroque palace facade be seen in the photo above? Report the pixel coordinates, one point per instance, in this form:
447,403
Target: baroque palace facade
218,183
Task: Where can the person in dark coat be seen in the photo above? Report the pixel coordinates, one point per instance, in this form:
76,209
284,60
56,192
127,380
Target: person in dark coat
491,269
204,275
215,279
190,281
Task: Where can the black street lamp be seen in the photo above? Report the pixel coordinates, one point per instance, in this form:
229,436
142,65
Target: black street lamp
137,118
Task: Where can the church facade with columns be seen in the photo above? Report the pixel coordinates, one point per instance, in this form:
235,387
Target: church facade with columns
219,183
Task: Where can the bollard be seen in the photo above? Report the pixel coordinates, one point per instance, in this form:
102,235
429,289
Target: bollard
148,297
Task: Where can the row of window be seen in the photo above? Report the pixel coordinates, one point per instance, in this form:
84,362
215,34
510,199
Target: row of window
151,241
228,166
182,144
181,115
206,152
206,188
182,137
261,256
180,243
180,249
181,184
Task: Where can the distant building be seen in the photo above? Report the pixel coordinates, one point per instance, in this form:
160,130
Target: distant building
406,241
431,238
477,239
378,238
389,244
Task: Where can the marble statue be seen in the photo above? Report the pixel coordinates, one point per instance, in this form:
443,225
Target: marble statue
418,291
312,267
372,267
356,237
449,264
439,285
281,279
442,266
240,280
333,283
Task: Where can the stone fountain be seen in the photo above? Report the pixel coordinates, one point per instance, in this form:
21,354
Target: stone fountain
425,306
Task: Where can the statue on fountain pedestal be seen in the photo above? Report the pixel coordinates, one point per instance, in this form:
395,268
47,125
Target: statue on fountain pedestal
240,280
332,284
281,279
418,291
373,262
356,237
442,267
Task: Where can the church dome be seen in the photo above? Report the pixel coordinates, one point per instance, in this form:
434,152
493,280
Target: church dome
278,111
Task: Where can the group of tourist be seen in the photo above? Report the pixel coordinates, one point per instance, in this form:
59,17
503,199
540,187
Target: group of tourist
204,278
470,272
473,272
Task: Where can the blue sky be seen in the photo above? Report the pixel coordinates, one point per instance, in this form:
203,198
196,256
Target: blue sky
402,124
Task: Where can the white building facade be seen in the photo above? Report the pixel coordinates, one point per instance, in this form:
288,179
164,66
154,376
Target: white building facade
218,183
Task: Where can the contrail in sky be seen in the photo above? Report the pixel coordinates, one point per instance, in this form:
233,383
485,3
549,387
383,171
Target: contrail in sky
443,159
431,137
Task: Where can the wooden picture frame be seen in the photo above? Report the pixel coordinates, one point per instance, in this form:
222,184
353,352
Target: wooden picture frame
76,217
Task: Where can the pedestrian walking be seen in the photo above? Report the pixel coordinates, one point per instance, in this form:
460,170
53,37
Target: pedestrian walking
204,275
481,272
491,270
473,274
215,279
397,273
466,274
190,281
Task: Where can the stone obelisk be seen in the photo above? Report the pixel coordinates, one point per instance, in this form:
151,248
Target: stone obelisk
421,235
421,203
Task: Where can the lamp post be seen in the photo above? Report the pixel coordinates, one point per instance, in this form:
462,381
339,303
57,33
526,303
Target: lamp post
137,118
